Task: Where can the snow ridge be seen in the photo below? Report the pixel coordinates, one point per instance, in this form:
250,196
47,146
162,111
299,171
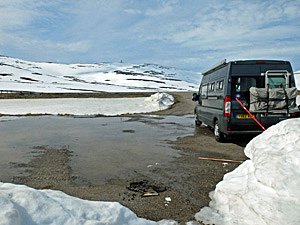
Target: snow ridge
264,189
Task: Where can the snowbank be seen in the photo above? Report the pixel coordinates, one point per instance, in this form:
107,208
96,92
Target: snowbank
160,100
297,79
86,106
265,189
20,204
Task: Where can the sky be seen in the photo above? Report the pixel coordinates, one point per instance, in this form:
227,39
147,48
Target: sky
187,34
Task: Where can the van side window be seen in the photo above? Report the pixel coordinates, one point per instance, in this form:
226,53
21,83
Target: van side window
204,91
219,85
212,86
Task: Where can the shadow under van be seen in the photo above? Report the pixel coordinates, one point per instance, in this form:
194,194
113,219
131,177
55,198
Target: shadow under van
246,97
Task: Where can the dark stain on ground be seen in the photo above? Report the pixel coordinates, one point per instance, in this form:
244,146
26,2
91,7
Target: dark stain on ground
128,131
145,186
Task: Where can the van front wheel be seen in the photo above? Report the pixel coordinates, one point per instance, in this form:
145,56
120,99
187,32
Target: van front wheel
219,136
198,123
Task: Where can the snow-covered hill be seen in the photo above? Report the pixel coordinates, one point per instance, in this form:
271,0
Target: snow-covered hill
20,75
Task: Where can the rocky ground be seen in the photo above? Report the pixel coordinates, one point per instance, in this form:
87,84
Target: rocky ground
176,190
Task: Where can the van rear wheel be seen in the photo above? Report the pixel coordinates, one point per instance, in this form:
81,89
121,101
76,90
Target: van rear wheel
219,136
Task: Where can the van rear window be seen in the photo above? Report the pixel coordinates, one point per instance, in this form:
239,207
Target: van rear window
244,83
276,81
257,69
240,86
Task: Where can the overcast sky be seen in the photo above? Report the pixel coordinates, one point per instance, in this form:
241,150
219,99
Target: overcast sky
189,34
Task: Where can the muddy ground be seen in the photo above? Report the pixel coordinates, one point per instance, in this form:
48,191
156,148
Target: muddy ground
185,179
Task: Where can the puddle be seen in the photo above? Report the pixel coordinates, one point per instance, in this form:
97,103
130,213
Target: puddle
102,147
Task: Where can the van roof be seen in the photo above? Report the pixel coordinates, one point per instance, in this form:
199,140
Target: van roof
243,62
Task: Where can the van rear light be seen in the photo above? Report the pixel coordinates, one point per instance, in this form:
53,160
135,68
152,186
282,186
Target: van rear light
227,106
293,115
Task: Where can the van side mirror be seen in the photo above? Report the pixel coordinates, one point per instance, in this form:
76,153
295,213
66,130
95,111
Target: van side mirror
195,97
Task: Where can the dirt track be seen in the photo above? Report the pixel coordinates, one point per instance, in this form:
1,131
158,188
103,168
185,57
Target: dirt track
186,179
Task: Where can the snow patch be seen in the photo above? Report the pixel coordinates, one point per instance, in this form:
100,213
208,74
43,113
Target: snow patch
162,100
24,205
86,106
264,189
297,79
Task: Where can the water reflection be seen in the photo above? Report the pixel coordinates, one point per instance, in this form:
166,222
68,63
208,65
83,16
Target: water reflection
102,147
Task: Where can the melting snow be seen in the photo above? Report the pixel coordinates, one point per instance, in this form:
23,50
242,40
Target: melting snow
86,106
297,79
264,189
20,204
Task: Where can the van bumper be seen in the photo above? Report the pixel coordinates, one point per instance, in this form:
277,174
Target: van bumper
249,126
253,132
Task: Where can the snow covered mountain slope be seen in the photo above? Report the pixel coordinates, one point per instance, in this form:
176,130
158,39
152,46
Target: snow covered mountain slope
20,75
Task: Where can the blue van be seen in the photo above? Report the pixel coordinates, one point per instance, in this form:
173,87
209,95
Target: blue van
246,96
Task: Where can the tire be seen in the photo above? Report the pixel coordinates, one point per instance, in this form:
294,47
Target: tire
219,136
197,121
